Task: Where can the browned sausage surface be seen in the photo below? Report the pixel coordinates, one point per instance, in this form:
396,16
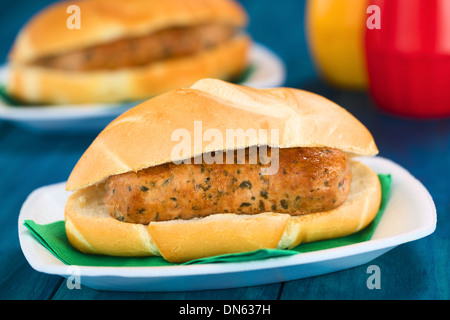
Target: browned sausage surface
308,180
142,50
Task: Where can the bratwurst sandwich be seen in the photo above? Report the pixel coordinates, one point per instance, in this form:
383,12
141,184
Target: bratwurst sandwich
125,50
137,193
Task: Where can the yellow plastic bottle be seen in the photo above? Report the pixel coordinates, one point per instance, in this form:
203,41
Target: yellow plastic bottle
335,32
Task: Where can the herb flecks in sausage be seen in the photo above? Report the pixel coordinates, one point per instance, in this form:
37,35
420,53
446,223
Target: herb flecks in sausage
167,181
308,180
245,184
261,206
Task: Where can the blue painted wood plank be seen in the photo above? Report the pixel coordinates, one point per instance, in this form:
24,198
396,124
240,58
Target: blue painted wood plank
265,292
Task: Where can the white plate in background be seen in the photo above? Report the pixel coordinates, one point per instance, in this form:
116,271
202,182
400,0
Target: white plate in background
268,71
410,215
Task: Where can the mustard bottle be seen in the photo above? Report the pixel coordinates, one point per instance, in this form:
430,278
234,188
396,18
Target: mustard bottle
335,33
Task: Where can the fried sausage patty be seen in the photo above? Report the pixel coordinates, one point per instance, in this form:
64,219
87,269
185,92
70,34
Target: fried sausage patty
142,50
308,180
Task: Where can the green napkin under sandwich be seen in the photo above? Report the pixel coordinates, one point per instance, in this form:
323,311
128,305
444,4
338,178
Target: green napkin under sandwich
53,237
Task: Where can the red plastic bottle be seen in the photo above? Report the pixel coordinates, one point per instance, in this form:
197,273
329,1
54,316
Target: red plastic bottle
408,58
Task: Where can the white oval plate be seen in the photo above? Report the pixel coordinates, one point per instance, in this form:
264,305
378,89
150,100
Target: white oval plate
269,71
410,215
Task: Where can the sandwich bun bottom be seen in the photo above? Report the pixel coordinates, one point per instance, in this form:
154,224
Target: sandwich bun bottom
91,230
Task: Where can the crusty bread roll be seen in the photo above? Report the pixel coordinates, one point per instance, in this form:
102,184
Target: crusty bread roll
102,21
141,138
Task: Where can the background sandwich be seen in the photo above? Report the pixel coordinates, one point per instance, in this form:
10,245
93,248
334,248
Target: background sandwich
126,50
131,199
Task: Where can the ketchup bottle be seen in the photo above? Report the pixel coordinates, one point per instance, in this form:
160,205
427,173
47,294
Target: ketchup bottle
408,57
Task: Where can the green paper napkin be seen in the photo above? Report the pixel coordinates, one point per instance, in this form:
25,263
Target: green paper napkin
10,101
53,237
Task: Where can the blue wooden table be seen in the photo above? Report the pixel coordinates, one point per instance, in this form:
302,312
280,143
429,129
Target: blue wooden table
417,270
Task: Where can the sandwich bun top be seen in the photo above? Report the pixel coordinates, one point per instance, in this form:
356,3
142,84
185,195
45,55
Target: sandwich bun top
103,21
143,136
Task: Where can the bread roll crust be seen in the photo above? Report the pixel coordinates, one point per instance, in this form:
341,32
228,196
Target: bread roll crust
91,230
